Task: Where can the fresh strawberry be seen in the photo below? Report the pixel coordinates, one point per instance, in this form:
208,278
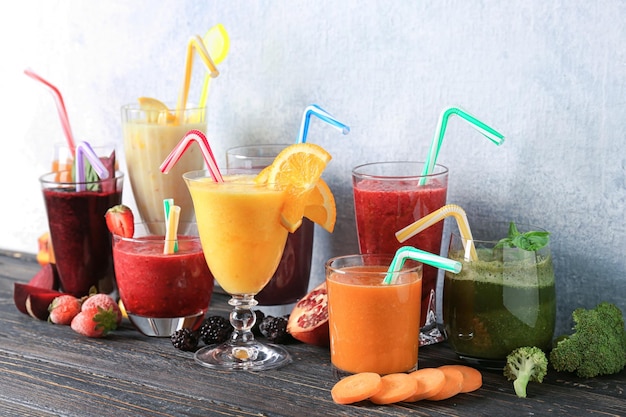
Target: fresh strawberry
120,220
63,309
94,322
104,302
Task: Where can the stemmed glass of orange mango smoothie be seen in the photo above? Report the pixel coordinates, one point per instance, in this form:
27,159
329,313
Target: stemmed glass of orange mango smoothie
244,218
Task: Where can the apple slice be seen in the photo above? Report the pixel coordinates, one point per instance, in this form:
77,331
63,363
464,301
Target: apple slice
37,304
21,293
47,278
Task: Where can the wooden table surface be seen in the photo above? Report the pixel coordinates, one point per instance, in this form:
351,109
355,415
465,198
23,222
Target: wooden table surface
49,370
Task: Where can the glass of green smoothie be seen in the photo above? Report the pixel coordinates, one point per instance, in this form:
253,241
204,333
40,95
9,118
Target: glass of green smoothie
502,300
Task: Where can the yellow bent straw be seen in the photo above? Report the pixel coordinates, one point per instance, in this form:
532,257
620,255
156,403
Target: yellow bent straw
217,43
195,42
448,210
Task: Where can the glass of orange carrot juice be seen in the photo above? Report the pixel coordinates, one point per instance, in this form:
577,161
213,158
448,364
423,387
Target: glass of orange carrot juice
374,327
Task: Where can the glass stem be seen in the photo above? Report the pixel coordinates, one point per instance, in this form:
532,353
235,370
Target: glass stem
242,318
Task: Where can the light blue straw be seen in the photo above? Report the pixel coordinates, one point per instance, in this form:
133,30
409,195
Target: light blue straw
84,149
316,110
409,252
487,131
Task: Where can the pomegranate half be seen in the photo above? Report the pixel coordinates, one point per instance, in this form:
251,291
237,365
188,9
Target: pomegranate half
308,321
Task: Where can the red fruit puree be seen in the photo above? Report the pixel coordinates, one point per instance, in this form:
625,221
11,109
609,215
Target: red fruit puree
81,240
381,210
155,285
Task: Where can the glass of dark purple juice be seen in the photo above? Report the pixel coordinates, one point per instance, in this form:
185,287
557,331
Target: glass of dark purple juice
80,238
291,280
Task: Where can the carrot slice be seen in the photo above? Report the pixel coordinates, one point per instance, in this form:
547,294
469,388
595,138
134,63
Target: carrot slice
395,387
429,382
452,386
356,387
472,378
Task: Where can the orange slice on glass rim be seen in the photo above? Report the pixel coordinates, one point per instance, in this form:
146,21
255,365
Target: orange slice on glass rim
297,169
320,206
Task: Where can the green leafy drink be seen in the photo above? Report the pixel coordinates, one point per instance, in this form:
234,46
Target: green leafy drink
503,300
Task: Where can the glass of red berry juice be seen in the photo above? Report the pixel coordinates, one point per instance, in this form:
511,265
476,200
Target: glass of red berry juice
389,196
162,293
80,238
290,282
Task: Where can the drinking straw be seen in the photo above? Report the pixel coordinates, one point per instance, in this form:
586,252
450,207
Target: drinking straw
195,42
167,207
440,131
171,231
448,210
84,149
58,98
217,43
181,147
409,252
316,110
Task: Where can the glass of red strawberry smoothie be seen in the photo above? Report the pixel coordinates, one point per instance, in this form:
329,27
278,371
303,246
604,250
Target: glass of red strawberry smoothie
80,238
162,293
389,196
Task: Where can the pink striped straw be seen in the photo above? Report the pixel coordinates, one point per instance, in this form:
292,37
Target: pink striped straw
181,147
58,98
84,149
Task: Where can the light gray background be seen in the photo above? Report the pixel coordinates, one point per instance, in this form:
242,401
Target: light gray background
549,74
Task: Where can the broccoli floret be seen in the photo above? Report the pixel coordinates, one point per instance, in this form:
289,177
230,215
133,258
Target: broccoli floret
525,364
597,346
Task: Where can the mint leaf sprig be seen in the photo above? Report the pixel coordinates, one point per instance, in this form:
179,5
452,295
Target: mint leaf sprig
530,241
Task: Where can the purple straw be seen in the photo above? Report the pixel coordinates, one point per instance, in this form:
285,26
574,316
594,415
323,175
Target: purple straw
84,149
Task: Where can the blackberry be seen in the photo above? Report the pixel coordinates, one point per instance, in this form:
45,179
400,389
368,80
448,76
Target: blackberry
275,329
184,339
215,329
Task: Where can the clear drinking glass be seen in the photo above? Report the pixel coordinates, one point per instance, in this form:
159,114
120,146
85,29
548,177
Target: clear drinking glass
389,196
291,280
503,300
78,230
149,137
161,292
374,327
243,242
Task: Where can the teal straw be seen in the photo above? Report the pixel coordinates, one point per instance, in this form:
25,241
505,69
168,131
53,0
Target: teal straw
167,205
316,110
487,131
409,252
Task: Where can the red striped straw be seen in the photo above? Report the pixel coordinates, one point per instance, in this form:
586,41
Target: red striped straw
181,147
58,98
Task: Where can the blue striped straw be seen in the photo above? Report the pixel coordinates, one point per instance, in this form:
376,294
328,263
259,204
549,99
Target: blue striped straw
409,252
316,110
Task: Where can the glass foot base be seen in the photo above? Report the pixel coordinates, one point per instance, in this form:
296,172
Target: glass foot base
431,334
490,364
164,327
252,356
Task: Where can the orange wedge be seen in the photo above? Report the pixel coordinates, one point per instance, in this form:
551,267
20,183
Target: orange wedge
297,169
320,206
156,111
